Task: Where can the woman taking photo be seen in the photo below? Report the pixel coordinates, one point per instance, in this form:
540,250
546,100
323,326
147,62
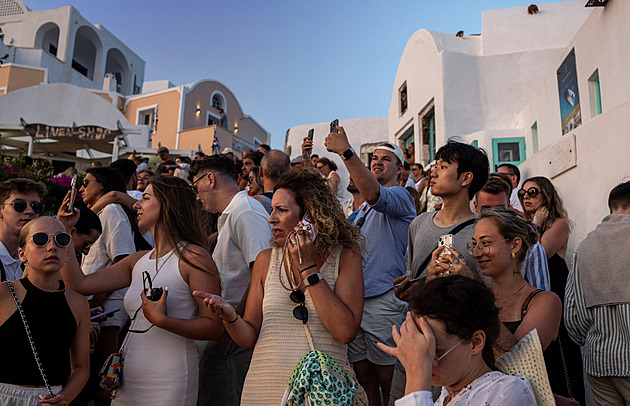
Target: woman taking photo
58,320
161,365
500,242
323,277
446,340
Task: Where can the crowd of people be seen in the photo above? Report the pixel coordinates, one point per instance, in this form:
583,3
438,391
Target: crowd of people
228,280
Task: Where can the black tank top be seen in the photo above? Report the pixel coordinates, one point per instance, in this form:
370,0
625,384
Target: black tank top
512,326
53,327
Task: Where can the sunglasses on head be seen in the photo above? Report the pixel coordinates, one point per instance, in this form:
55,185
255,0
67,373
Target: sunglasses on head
62,239
300,311
21,205
531,192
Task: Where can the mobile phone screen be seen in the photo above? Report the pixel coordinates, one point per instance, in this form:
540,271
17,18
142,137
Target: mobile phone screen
333,125
310,134
73,194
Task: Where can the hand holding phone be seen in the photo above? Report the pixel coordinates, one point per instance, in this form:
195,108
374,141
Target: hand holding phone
73,194
333,126
104,315
311,132
307,226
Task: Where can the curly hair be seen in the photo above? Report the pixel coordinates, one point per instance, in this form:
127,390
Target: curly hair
316,198
463,304
551,200
511,225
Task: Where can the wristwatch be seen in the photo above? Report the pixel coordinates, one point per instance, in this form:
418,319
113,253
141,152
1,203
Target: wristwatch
313,279
347,154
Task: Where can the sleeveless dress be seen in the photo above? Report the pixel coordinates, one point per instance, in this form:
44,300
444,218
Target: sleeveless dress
160,368
282,340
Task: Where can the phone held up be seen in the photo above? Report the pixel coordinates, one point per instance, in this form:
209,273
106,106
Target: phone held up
307,226
445,241
73,194
333,125
310,134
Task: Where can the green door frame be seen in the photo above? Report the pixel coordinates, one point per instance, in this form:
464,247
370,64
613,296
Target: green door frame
495,150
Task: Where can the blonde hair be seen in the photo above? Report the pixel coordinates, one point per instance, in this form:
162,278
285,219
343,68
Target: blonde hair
25,233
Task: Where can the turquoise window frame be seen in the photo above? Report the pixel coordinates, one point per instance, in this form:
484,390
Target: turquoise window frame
475,143
407,137
495,150
432,137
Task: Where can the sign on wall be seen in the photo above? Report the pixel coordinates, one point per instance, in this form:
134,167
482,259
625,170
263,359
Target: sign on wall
570,112
84,132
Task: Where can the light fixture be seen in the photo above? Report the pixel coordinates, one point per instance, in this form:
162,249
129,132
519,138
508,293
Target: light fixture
596,3
198,110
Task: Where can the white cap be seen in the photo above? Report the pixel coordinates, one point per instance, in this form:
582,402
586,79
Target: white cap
393,148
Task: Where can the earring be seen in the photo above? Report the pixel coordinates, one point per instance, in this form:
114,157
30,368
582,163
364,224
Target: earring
513,256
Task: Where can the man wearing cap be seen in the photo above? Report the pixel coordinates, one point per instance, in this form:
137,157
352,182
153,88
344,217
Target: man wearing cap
167,167
384,222
229,152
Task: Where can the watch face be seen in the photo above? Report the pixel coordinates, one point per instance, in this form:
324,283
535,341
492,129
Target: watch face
313,279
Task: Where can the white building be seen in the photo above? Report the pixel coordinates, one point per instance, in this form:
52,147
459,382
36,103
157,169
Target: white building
549,91
363,133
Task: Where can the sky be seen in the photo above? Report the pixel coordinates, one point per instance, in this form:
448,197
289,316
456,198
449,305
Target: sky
288,62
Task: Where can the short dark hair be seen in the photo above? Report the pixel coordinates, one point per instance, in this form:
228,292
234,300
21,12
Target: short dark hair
88,220
314,156
406,166
512,170
328,162
217,164
463,304
419,165
265,147
497,184
109,178
468,159
20,185
619,197
275,163
126,168
201,154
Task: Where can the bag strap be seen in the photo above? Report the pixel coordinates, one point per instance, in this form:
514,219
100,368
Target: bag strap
525,304
454,230
566,371
309,338
30,339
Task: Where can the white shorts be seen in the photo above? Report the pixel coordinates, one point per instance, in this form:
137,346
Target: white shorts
14,395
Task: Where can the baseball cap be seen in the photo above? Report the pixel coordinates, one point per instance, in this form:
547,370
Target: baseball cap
393,148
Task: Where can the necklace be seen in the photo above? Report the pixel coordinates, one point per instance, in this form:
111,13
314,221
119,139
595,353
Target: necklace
513,293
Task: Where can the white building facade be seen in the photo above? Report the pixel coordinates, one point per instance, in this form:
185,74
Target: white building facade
549,92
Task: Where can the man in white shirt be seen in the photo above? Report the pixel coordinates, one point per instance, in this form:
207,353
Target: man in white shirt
243,232
20,202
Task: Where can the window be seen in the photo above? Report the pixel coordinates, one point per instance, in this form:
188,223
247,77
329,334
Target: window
148,116
475,143
427,120
508,150
52,49
402,97
211,119
217,101
595,95
535,136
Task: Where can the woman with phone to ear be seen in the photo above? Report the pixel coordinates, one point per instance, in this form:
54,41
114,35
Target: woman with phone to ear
320,281
58,320
160,355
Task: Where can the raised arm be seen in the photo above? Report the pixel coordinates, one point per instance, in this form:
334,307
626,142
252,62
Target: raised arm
361,175
114,197
555,238
244,331
203,276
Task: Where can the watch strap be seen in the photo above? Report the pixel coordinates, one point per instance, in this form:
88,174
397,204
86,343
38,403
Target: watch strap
313,279
347,154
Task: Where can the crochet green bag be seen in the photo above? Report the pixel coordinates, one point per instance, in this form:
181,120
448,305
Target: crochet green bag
319,380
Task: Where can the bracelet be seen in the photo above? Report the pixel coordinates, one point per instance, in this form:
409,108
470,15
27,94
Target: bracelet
229,322
309,267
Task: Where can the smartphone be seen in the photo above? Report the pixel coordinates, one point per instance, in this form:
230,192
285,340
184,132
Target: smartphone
333,125
105,314
310,134
445,240
308,227
73,194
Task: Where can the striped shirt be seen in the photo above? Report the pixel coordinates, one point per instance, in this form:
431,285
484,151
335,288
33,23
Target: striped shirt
603,331
535,269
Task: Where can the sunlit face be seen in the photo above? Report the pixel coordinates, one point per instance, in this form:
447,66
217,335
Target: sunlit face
91,189
253,185
487,200
385,166
444,180
248,164
455,366
417,172
323,169
494,259
50,257
531,204
143,180
148,209
11,219
285,214
83,242
314,161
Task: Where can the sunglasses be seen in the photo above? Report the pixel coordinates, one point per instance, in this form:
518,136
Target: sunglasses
21,205
192,185
86,182
531,192
62,239
300,311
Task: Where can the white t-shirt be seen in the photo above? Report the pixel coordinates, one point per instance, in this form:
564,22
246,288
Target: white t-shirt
243,233
514,200
116,239
136,194
12,265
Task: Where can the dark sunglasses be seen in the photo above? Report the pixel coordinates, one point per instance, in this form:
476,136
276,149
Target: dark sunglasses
192,185
300,311
86,182
21,205
62,239
531,192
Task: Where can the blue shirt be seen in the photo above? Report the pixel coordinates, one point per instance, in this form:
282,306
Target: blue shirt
535,269
385,228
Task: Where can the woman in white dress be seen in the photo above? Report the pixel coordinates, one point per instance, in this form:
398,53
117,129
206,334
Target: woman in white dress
161,366
447,341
